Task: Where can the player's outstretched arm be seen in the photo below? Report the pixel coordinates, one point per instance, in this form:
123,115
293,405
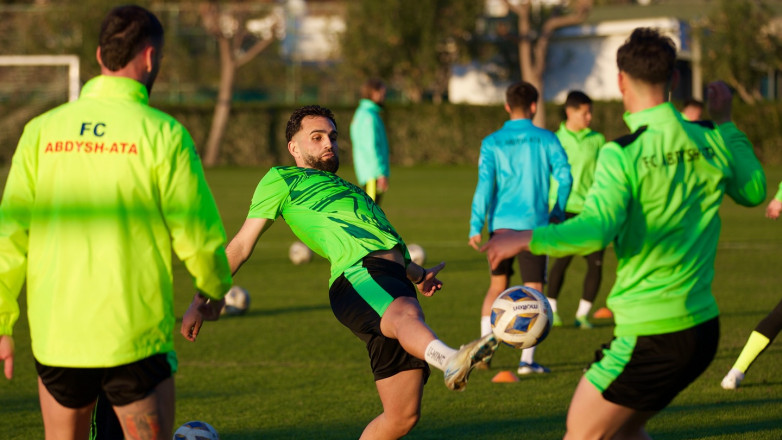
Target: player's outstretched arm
201,309
7,355
238,251
241,246
506,245
425,279
748,185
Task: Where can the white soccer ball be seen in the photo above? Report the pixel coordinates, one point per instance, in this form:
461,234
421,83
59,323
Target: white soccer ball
417,254
237,301
196,430
299,253
521,317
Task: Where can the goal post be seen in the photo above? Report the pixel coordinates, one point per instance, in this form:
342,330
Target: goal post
69,61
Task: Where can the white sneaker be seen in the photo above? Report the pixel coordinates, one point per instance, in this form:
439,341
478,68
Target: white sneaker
525,368
732,380
461,364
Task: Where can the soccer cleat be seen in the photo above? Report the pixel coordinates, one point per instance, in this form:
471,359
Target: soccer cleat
583,323
484,364
469,355
525,368
557,321
732,380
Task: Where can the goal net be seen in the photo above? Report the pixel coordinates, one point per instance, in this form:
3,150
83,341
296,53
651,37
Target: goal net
29,85
39,77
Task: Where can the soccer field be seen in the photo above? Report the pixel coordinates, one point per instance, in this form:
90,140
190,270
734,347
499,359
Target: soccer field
288,370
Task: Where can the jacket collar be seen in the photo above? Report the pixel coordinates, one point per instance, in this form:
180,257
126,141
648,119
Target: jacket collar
651,116
115,87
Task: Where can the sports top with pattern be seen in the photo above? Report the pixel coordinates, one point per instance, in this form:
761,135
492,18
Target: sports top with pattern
335,218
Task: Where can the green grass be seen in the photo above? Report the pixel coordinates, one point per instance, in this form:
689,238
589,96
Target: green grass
288,370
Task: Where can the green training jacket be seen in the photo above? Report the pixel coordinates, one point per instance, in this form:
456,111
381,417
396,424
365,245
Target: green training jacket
100,191
582,148
656,195
370,145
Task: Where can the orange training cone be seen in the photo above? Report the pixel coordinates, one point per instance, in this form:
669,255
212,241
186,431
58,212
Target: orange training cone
603,313
505,376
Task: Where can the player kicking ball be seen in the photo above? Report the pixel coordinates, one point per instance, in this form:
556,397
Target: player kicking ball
373,282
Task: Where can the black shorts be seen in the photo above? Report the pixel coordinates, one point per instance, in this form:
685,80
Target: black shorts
123,384
532,267
359,297
645,373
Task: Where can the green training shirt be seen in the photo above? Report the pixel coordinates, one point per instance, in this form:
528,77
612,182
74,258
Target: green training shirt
333,217
582,148
99,193
656,195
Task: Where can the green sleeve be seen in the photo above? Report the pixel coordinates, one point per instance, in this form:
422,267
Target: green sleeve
779,193
748,185
269,196
15,216
605,210
197,233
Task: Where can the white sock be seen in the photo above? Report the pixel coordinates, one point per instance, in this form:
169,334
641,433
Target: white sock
553,302
584,307
485,325
438,354
528,355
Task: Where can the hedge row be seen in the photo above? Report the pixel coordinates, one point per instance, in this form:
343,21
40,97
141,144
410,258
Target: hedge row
424,133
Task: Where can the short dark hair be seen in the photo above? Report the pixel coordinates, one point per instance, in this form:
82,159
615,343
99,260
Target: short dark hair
521,95
693,102
647,56
577,98
294,123
126,31
371,85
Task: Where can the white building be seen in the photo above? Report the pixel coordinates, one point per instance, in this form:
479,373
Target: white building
582,58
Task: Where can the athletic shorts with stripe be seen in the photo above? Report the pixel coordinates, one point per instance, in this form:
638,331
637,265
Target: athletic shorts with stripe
645,373
359,297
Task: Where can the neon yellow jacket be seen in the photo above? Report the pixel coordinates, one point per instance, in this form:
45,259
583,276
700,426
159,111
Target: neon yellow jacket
99,193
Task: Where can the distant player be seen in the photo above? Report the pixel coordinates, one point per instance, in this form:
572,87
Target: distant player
373,282
582,145
370,144
515,168
656,195
767,329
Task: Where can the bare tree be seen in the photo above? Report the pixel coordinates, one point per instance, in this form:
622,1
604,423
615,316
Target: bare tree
533,44
742,59
228,24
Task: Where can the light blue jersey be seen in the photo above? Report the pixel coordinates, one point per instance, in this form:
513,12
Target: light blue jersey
514,171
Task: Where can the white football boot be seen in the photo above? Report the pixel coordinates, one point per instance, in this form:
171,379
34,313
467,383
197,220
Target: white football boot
461,364
732,380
